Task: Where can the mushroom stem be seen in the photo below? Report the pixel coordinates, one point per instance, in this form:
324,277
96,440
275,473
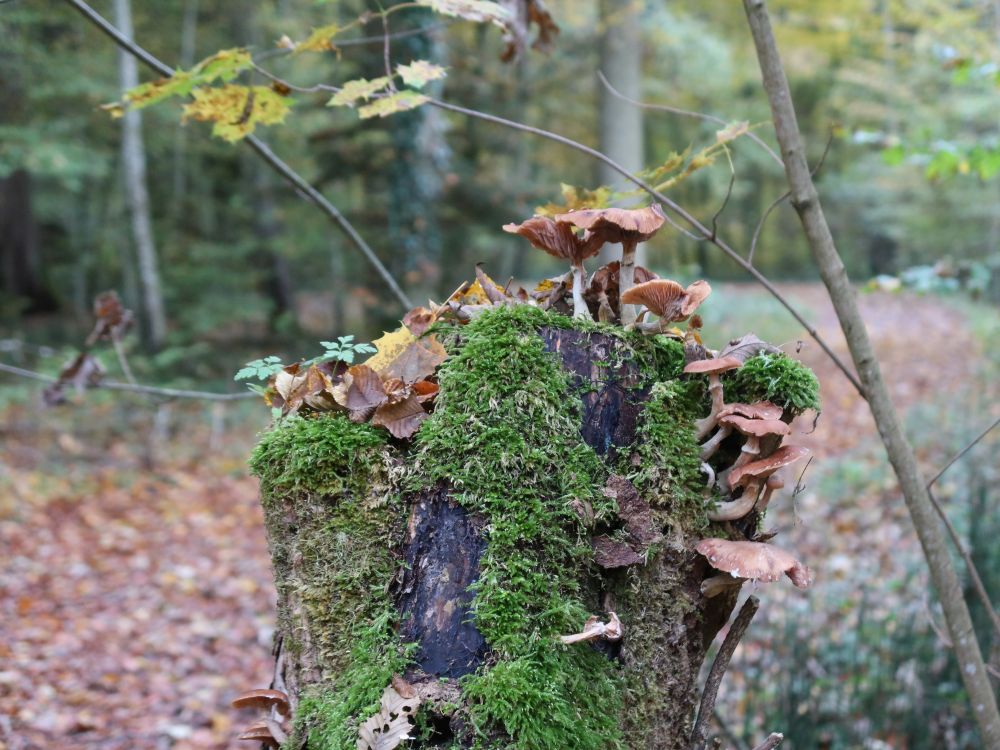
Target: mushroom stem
773,483
749,451
709,472
626,278
709,447
706,425
718,584
580,309
734,509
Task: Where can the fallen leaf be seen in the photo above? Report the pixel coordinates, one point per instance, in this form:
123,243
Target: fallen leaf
391,726
402,419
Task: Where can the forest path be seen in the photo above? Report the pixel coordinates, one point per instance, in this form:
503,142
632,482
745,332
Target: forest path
136,603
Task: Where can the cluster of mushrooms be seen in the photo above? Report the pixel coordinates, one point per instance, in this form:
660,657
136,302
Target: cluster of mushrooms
272,730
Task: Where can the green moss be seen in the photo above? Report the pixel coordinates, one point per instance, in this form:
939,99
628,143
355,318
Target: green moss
314,454
332,521
505,434
774,377
669,475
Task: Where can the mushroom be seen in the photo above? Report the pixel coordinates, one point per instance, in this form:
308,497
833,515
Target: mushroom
774,482
752,475
759,410
666,299
264,699
558,239
627,226
753,430
593,629
603,290
259,732
713,368
754,561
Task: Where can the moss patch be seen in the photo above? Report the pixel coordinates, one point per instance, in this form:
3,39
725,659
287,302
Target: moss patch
332,522
774,377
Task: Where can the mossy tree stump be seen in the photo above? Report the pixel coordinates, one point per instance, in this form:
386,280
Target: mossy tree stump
557,478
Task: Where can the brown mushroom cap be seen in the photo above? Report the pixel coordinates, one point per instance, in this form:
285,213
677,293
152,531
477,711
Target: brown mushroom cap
765,467
760,410
695,294
262,699
754,560
713,366
557,238
661,296
755,427
259,732
617,224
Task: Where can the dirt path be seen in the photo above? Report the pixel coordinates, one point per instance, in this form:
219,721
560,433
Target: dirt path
135,605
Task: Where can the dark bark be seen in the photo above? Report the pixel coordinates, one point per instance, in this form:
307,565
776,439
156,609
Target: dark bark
20,259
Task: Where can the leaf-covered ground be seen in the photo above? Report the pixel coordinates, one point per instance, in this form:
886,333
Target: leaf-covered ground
135,591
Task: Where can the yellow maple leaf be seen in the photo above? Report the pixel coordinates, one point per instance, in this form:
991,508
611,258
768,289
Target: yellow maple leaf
319,39
391,104
237,110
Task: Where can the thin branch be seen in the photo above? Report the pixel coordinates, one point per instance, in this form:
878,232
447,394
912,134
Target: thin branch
135,387
737,742
686,113
122,359
975,441
742,621
806,202
729,194
773,740
307,191
760,224
702,230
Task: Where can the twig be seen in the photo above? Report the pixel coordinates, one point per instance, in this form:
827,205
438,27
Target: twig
686,113
702,230
773,740
806,202
975,441
760,224
718,670
725,201
307,191
151,390
717,718
122,359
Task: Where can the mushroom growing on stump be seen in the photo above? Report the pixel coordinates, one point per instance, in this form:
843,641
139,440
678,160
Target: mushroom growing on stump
604,291
754,561
752,476
558,239
753,430
713,368
627,226
666,299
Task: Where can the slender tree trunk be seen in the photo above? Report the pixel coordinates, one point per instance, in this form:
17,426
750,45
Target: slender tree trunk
620,122
806,202
20,261
136,193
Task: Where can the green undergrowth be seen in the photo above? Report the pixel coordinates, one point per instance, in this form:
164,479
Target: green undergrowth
333,521
778,378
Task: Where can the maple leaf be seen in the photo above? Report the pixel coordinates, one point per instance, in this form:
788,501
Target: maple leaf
237,110
419,73
223,66
478,11
401,101
318,40
576,198
360,88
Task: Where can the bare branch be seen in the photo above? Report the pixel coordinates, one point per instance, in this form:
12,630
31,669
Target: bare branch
974,442
307,191
742,621
135,387
703,231
806,201
122,359
686,113
760,224
725,201
773,740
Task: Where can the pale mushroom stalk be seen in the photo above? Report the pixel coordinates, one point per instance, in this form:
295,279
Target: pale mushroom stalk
716,585
706,425
580,309
626,278
709,447
734,510
773,483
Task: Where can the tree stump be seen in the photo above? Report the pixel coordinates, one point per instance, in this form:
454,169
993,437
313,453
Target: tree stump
557,479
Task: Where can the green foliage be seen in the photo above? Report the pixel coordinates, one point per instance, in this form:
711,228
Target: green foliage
259,369
343,349
774,377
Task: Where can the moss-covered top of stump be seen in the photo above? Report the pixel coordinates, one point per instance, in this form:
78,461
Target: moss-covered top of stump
504,437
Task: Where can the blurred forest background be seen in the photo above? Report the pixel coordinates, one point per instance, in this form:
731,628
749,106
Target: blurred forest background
135,593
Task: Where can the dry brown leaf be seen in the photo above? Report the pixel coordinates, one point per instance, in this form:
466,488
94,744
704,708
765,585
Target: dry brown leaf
360,390
391,726
402,418
417,361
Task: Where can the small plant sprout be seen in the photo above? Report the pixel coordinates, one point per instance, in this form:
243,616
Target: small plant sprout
753,561
342,350
593,629
713,368
666,299
627,226
558,239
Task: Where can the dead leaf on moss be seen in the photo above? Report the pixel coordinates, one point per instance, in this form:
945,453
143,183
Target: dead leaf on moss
361,390
746,347
391,726
417,361
402,419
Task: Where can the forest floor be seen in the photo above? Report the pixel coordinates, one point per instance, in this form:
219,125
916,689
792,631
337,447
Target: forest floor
135,588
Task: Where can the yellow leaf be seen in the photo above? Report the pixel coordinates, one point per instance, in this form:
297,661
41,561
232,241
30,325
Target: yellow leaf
479,11
577,198
319,39
732,131
390,345
391,104
361,88
419,72
237,110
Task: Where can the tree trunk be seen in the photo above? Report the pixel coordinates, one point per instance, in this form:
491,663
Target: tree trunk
620,122
557,478
136,193
20,260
